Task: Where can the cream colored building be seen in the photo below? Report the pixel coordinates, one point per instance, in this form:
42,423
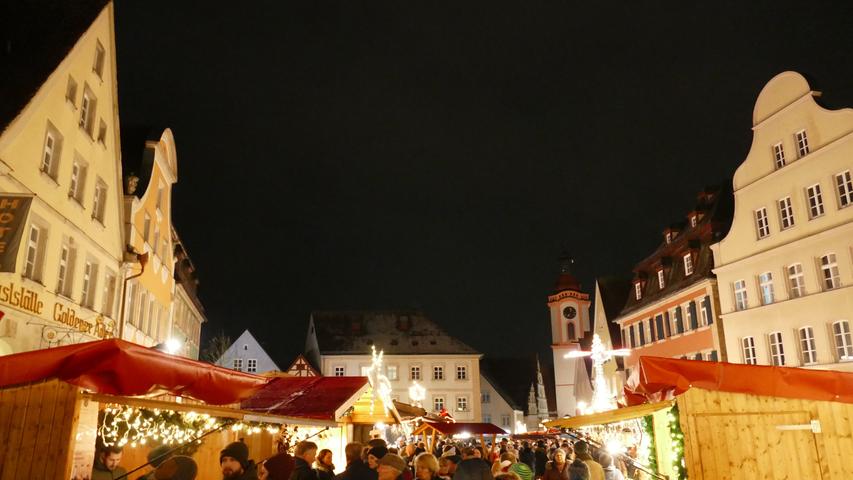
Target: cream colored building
61,149
785,270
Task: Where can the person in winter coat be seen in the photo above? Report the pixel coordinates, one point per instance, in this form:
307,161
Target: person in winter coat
178,467
503,463
540,455
304,455
374,455
521,470
106,463
610,470
472,467
235,463
426,467
277,467
323,467
527,456
356,468
582,453
578,470
557,469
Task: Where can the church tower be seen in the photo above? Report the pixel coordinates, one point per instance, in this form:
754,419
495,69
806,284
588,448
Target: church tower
569,307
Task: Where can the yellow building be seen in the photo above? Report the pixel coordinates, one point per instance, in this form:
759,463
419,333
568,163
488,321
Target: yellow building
784,270
60,184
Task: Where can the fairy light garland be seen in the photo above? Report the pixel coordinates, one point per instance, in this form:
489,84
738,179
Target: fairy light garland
678,465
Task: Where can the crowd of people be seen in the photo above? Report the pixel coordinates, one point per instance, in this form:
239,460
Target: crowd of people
543,460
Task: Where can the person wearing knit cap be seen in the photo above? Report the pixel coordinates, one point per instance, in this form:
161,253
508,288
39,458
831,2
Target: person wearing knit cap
277,467
235,463
374,455
522,470
176,468
391,467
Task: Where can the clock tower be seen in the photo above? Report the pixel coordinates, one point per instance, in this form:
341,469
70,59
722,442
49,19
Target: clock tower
569,308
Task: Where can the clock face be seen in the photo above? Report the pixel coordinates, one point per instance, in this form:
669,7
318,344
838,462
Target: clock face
569,312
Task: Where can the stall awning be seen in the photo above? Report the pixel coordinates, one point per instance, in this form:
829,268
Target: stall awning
450,428
617,415
322,398
660,378
117,367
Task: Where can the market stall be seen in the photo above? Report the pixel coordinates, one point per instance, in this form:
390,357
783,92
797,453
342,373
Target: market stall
431,430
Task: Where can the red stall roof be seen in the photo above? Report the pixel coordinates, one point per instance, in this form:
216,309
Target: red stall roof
449,428
117,367
662,378
322,398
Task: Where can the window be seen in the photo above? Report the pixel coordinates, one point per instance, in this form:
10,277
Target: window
796,284
98,65
78,179
642,330
87,111
100,201
638,290
487,418
102,132
238,364
66,270
340,371
786,213
51,151
365,371
668,237
155,242
779,155
815,201
661,282
845,188
698,356
485,397
693,220
461,404
808,352
415,372
651,330
679,320
843,340
391,372
146,227
438,403
693,315
688,265
777,350
35,252
748,346
108,301
437,373
571,330
740,295
659,326
667,325
761,225
245,346
829,267
765,285
160,196
461,372
252,365
802,143
505,421
131,303
71,90
707,318
713,356
633,339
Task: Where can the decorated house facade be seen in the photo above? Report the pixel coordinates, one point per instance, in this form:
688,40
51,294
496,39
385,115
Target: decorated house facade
422,363
785,268
247,355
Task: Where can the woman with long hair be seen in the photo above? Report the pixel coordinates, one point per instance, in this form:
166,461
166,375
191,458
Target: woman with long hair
323,465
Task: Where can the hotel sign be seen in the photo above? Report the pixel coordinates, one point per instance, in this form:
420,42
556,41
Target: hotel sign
13,214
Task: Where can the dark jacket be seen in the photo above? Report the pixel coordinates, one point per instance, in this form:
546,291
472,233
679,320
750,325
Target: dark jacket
552,473
527,457
473,469
250,472
302,471
358,470
100,472
324,474
541,459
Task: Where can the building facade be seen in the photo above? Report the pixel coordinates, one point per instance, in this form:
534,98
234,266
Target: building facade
499,408
673,306
247,355
416,351
786,269
60,187
187,310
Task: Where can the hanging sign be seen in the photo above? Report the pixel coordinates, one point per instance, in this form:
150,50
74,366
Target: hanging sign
13,214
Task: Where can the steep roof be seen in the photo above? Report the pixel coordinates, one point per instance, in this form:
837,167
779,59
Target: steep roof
36,36
136,158
321,398
396,332
614,291
512,377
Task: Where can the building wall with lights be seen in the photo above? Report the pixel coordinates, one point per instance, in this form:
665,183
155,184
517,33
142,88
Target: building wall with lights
499,409
61,149
785,269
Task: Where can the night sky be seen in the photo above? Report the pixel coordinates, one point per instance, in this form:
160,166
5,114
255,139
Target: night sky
360,155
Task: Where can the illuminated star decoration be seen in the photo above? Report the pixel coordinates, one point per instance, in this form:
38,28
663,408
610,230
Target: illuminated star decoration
602,399
378,381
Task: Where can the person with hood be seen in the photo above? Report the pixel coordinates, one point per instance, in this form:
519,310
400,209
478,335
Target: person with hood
304,455
356,468
107,461
178,467
582,453
235,464
557,469
323,467
277,467
374,455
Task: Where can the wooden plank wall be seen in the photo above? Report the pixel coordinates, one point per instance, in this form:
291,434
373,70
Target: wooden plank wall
734,435
37,424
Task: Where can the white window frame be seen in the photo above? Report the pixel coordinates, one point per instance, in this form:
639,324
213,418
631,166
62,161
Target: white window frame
485,397
51,151
65,275
339,371
90,280
462,403
815,200
779,155
71,91
638,290
34,255
100,58
786,213
661,279
830,278
776,348
252,365
506,421
808,350
77,184
438,372
842,340
765,287
796,280
237,364
762,225
688,264
844,188
461,372
392,372
802,140
415,372
438,402
741,298
99,202
747,345
693,220
108,300
88,108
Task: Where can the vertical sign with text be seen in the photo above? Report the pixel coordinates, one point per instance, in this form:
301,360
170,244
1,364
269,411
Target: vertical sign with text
13,214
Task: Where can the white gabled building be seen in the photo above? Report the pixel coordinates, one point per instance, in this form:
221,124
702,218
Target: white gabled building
247,355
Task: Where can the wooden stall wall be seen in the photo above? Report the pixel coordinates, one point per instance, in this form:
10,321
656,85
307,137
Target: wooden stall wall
37,425
737,436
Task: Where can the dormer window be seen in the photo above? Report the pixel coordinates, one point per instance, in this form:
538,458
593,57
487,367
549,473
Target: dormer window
638,290
688,264
694,220
668,237
661,281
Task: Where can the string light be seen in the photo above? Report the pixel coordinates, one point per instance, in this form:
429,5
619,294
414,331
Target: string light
602,399
380,383
124,425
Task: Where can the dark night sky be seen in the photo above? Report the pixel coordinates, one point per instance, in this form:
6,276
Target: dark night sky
348,155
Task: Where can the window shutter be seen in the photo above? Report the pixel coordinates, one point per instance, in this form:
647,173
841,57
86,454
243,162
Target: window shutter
679,320
706,304
651,330
694,321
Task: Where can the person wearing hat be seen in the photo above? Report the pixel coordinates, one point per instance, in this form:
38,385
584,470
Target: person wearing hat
374,455
277,467
176,468
235,463
522,470
391,467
